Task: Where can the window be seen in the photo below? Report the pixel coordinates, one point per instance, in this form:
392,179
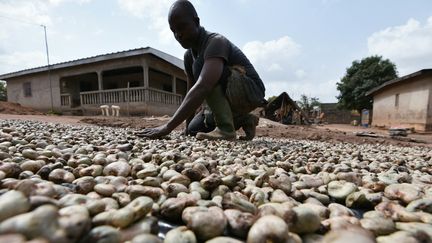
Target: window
397,100
167,87
27,89
181,86
160,80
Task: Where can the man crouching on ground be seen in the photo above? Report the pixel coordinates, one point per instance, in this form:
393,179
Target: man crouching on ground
218,73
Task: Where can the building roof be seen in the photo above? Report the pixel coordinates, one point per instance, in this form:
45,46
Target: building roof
122,54
398,81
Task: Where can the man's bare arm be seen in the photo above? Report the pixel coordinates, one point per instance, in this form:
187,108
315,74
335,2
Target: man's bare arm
210,75
190,84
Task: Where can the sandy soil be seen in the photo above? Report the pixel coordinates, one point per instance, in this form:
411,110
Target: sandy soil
15,108
266,128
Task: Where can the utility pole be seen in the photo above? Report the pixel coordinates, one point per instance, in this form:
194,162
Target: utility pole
49,68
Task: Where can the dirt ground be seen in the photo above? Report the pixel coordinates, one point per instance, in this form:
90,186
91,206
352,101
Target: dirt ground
266,128
15,108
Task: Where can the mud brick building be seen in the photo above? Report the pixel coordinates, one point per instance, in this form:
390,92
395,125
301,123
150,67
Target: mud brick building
143,81
404,102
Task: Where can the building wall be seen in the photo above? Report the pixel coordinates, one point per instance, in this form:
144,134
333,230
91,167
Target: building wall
40,90
411,109
429,108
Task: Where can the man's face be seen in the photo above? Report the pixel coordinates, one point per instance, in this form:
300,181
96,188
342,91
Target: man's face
185,28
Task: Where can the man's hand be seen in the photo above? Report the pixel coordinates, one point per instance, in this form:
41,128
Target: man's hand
185,132
155,132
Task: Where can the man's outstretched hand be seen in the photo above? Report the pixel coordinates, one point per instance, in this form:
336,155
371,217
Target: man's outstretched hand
156,132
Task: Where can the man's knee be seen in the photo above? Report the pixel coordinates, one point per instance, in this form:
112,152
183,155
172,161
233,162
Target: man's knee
199,124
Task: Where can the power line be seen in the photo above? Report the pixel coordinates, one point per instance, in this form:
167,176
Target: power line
20,20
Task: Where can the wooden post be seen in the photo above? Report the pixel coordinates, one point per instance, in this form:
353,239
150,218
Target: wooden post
146,82
100,87
174,85
128,97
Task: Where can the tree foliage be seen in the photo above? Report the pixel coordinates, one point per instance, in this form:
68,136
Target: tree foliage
307,103
361,77
3,94
271,98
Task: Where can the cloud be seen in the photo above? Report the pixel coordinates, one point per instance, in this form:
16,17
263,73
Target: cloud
272,55
36,12
146,8
243,1
155,12
324,91
408,45
300,73
32,12
17,36
275,61
22,60
21,33
329,1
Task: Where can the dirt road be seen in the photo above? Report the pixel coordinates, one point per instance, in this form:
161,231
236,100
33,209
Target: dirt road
268,128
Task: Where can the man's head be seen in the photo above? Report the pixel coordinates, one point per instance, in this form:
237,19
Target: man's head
184,23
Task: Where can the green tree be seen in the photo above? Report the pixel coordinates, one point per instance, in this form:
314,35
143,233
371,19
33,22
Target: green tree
361,77
3,94
271,98
307,103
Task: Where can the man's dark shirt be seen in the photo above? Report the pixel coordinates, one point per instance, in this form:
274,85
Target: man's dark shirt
216,45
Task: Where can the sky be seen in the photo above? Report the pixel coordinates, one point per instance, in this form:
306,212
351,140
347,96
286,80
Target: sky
297,46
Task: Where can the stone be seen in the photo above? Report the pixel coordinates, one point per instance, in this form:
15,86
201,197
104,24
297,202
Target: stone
180,235
306,220
339,190
13,203
268,228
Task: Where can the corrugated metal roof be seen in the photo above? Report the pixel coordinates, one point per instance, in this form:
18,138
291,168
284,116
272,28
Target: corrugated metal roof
399,80
114,55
